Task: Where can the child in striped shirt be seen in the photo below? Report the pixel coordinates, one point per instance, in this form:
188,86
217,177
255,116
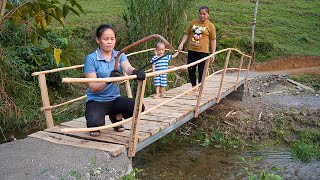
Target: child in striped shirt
160,81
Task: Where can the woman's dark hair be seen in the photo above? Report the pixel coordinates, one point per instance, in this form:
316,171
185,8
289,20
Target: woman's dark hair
102,28
205,8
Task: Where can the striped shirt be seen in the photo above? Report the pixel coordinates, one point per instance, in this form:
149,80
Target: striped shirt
161,64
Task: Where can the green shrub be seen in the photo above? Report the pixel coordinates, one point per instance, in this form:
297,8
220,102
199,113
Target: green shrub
305,151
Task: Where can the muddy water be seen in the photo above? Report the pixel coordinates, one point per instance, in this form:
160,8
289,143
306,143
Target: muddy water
184,161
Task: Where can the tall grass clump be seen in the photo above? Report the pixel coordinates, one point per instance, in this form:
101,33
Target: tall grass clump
145,17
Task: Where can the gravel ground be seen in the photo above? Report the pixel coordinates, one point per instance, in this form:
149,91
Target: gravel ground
33,158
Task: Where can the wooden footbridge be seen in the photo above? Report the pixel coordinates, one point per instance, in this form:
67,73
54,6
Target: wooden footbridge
160,117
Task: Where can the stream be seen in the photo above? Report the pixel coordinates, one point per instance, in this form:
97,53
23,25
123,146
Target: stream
185,161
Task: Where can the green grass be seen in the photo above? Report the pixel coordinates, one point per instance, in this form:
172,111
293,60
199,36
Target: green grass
97,12
291,27
312,80
305,151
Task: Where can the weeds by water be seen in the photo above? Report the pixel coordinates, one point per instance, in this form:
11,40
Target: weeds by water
301,134
308,145
132,175
249,165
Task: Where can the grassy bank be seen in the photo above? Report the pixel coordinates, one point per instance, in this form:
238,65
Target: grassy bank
284,28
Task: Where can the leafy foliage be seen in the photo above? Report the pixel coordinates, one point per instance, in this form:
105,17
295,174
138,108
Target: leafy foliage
34,16
28,45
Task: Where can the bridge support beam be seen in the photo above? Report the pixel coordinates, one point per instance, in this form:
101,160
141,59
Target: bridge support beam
240,67
133,141
206,67
223,75
45,100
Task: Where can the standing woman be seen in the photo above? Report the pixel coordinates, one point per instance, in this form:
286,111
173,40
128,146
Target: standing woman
200,32
104,98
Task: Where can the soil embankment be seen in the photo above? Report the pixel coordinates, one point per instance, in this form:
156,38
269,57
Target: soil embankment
293,64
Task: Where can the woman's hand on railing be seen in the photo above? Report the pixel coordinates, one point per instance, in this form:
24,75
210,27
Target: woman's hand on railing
115,73
212,59
141,75
180,47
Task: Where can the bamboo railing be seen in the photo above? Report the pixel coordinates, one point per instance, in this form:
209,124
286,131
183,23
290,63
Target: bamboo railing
140,91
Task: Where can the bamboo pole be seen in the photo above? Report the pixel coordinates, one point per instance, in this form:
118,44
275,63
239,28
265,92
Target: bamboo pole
241,61
223,74
62,104
82,65
56,70
148,38
79,66
136,118
45,100
2,8
130,77
206,67
138,52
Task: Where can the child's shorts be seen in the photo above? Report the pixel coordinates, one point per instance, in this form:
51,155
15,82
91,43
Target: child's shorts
160,80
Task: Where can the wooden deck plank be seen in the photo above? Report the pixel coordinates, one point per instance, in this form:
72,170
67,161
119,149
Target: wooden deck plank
113,149
151,127
107,135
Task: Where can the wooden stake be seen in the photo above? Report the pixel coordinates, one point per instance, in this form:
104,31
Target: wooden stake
241,61
45,100
2,8
248,68
206,67
136,118
223,74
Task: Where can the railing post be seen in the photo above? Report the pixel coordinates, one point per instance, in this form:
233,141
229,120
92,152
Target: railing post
45,100
248,69
136,118
223,74
128,88
206,67
241,61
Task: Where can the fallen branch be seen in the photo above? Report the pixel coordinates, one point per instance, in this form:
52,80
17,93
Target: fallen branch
235,113
193,124
229,113
228,123
260,116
